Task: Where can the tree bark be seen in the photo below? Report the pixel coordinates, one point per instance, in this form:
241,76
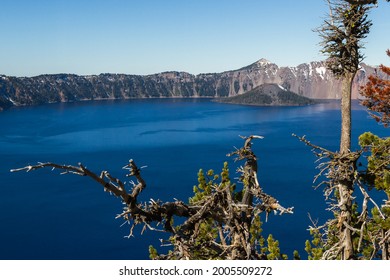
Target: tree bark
346,186
345,142
345,190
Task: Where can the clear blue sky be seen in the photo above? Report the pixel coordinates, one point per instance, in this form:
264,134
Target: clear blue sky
151,36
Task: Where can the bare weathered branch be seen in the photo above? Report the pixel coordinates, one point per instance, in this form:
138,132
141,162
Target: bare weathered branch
231,218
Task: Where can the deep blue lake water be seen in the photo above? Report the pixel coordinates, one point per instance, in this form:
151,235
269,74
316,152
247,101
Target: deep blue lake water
47,216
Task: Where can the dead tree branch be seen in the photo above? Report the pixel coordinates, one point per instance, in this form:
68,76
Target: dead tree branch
220,209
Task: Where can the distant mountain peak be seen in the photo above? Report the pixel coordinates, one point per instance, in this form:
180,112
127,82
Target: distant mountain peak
263,62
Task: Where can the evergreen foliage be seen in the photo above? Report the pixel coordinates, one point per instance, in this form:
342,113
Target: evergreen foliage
368,169
342,35
211,230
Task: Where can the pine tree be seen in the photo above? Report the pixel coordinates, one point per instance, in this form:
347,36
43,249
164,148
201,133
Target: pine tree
376,176
370,222
377,172
342,35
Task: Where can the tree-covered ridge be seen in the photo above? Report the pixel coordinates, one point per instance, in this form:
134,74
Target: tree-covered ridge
268,95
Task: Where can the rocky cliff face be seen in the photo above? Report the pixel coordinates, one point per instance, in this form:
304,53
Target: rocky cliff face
311,80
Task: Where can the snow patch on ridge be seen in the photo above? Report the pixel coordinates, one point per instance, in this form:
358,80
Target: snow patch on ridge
263,62
13,102
321,71
282,87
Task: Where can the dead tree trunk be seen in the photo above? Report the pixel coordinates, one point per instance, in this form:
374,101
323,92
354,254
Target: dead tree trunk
345,187
341,37
346,119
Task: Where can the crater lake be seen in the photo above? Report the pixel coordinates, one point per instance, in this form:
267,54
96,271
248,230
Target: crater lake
45,215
